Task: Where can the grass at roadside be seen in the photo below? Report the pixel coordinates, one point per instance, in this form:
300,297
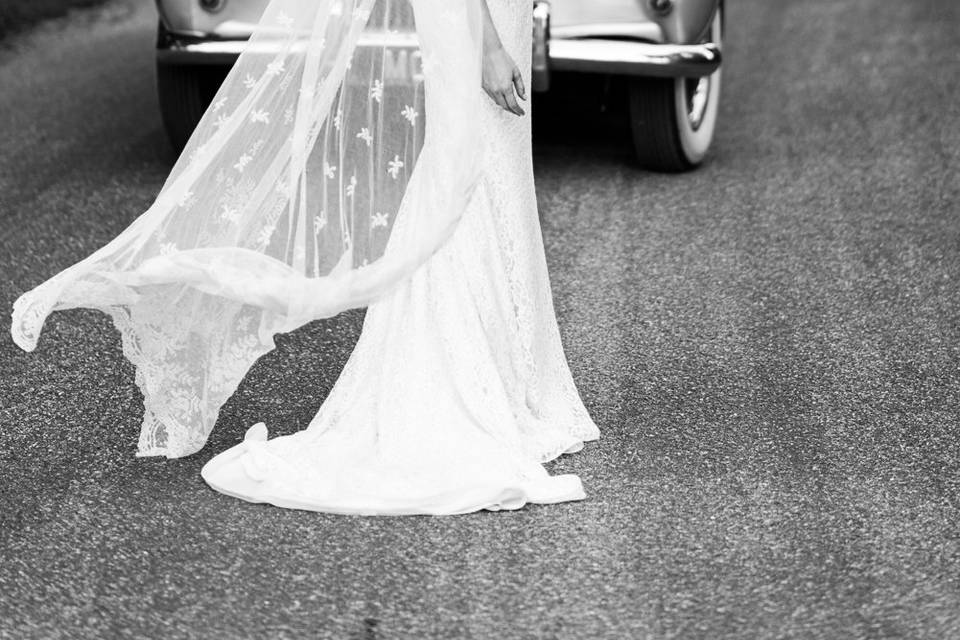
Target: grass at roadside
20,15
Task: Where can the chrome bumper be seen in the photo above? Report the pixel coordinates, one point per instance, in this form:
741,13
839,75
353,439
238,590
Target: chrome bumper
194,50
619,56
576,52
634,58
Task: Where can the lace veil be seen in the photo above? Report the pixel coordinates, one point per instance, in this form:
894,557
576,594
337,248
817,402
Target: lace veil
337,156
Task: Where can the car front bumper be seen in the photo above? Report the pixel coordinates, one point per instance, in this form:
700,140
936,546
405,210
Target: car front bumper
627,50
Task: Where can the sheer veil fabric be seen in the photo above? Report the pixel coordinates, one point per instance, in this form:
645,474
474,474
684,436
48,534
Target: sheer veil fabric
281,208
352,159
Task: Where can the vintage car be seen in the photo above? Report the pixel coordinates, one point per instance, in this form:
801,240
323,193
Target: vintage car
668,52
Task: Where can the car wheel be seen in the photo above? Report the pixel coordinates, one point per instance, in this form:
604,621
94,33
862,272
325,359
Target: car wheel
673,119
185,91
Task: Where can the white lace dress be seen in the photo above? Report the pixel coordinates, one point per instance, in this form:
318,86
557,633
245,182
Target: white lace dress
458,389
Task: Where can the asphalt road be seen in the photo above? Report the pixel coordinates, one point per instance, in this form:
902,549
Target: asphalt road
770,346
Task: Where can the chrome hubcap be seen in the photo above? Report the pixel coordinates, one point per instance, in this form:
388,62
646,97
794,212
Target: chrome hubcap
698,93
698,89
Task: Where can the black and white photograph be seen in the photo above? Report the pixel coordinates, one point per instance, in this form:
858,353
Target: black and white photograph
492,319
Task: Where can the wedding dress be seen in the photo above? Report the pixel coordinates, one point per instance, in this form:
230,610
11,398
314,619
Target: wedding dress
458,389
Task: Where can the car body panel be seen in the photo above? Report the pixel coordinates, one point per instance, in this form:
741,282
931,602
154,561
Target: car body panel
186,17
590,36
684,24
667,52
603,19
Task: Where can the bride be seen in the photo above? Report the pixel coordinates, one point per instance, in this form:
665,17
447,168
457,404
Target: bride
359,153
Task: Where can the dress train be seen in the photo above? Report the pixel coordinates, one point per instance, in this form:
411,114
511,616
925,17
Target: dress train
458,389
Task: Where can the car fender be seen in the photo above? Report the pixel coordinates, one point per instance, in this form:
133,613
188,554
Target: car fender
686,21
187,17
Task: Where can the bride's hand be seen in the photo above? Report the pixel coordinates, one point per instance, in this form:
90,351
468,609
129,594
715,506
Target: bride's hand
501,77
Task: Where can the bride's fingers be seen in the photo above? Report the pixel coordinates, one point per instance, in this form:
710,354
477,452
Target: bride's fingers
518,83
499,99
511,101
496,97
506,100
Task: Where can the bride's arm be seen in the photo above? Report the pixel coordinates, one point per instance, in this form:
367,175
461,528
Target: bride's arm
501,76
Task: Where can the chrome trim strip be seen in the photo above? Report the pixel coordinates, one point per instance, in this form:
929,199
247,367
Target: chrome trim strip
212,52
591,55
219,52
634,58
645,31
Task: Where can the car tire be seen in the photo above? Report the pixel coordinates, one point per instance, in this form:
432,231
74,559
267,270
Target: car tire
673,119
184,92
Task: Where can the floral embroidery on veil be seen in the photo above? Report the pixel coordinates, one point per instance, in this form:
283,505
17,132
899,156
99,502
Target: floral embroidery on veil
274,214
